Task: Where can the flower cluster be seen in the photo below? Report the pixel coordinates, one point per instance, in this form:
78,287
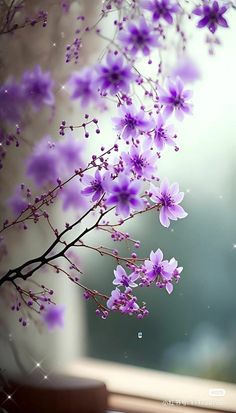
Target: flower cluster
113,185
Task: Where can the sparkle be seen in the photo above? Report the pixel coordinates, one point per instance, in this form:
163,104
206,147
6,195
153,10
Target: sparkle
45,377
38,364
172,230
140,334
234,245
9,397
188,190
63,87
54,44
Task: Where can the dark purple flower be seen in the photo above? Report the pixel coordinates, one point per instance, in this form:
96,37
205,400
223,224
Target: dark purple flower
161,9
175,99
11,102
211,16
124,195
123,302
42,165
83,86
131,122
168,197
114,76
138,37
37,87
95,185
141,162
53,316
122,278
163,135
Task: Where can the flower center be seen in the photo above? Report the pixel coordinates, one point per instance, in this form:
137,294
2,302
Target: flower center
130,121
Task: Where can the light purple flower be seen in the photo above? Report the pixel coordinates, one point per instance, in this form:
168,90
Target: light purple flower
138,37
53,316
141,162
163,135
187,70
156,268
176,271
122,278
11,102
95,185
124,195
169,197
211,16
42,165
123,302
70,152
161,9
83,86
175,99
18,202
132,122
72,197
38,87
114,76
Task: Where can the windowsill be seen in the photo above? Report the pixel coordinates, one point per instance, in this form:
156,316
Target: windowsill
139,390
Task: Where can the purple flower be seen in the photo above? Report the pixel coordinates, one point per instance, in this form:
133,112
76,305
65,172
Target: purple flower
124,194
115,76
161,9
53,316
157,269
163,135
122,278
11,102
138,37
142,163
123,302
211,16
72,197
83,87
187,70
95,185
42,165
175,99
37,87
131,122
168,197
18,202
70,152
175,275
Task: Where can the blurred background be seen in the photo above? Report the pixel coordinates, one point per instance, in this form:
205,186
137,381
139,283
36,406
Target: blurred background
193,331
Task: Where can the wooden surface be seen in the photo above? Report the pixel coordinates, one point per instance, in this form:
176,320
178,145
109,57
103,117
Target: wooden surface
56,394
139,390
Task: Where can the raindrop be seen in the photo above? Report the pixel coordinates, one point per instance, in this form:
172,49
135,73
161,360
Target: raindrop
140,334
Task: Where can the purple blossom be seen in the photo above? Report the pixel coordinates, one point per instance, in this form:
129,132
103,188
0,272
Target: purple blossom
42,166
95,185
142,163
70,154
131,122
11,102
53,316
168,197
175,99
163,135
37,87
72,197
156,268
83,86
114,76
187,70
123,302
122,278
18,202
138,37
176,271
161,9
211,16
124,195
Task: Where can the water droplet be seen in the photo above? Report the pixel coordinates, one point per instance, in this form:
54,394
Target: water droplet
140,334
